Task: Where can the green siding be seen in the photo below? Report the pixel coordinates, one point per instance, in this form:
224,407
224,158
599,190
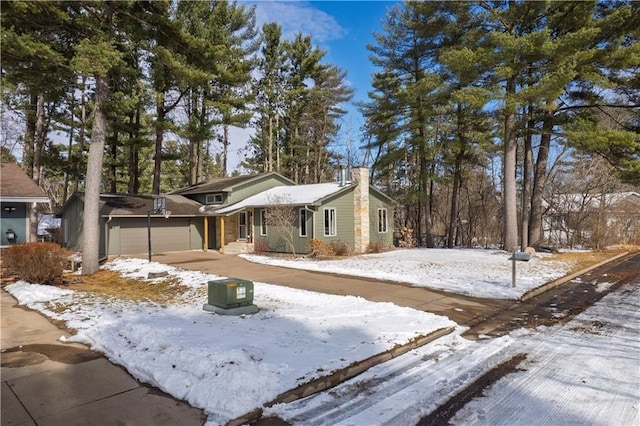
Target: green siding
377,202
197,233
254,186
343,203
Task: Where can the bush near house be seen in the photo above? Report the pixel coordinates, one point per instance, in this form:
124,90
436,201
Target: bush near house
319,248
260,246
375,247
40,263
340,248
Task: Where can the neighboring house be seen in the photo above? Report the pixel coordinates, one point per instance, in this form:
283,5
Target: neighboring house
48,228
228,214
592,220
19,196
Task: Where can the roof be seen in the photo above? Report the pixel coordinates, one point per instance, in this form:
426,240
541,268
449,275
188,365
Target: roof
215,185
140,205
298,195
16,186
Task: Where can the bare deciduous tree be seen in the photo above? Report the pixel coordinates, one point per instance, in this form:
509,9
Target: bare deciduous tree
281,217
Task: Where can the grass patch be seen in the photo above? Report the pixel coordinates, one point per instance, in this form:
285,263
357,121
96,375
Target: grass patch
585,259
111,284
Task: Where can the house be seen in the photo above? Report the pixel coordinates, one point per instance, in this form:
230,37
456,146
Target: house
592,220
351,211
19,196
229,214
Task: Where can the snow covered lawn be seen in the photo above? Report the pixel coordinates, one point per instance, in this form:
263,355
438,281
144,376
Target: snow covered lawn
587,371
472,272
228,365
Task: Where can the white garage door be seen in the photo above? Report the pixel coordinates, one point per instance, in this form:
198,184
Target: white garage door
166,235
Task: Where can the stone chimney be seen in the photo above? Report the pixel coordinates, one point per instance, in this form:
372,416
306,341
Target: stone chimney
360,177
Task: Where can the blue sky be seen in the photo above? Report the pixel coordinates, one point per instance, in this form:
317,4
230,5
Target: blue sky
341,28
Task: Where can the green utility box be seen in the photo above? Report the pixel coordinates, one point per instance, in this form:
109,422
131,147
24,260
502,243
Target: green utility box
230,293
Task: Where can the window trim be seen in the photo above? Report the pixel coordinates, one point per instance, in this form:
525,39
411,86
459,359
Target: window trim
302,221
263,222
211,198
333,214
382,214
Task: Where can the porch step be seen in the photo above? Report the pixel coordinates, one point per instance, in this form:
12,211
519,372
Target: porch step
237,247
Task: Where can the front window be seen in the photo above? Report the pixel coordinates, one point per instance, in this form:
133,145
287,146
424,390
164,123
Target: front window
303,222
214,198
329,222
263,222
382,221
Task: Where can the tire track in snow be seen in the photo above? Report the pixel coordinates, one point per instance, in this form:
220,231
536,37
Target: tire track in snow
427,374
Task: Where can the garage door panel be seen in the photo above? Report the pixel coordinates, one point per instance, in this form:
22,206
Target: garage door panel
166,235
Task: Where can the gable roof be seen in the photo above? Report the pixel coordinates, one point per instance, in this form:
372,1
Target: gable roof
140,205
224,184
297,195
16,186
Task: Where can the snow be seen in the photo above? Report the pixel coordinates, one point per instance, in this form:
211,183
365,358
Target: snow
471,272
289,195
587,371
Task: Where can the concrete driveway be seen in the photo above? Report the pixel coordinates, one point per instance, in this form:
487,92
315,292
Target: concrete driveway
463,310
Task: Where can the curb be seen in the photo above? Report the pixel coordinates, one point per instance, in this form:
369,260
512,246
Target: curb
340,376
548,286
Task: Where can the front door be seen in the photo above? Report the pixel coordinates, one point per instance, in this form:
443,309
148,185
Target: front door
242,226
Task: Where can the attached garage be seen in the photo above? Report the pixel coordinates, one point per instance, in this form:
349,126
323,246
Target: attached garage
173,234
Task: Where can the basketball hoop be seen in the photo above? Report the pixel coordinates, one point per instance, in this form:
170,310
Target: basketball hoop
167,213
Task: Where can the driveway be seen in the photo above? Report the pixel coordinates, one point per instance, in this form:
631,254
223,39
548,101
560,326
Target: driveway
461,309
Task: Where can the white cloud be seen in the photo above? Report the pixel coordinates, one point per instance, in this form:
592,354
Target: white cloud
295,17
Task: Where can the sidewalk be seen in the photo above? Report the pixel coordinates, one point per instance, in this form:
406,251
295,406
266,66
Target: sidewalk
46,382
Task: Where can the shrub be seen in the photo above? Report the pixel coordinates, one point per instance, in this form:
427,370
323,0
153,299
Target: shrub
340,248
405,237
41,263
375,247
318,248
260,246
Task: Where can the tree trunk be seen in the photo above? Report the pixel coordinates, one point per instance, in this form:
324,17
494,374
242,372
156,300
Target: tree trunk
29,136
225,148
510,206
91,225
113,170
269,156
65,189
526,184
39,139
453,214
157,156
83,122
539,181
